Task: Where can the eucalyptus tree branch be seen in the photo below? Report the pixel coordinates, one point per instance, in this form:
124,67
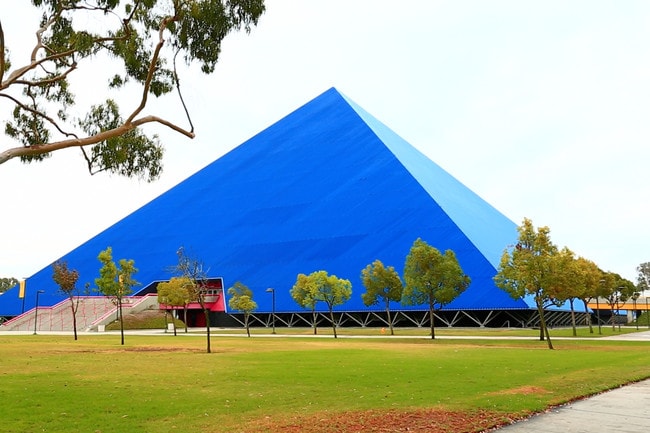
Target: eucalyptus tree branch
86,141
109,142
51,80
2,53
152,68
180,94
40,114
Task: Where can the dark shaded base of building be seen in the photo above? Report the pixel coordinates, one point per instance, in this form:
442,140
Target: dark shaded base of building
409,319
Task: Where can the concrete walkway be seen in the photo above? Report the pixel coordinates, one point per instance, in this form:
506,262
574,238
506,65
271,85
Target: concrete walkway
622,410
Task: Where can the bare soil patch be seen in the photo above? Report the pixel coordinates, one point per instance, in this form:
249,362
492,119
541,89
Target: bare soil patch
384,421
523,390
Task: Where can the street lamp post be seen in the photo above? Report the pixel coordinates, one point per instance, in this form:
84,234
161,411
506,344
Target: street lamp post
636,319
38,292
600,330
272,291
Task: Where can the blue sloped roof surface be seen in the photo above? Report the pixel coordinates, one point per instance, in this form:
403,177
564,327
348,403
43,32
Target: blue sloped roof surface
326,187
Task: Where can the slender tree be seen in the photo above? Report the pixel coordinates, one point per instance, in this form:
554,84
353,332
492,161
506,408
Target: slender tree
304,294
643,276
192,269
67,279
382,285
432,278
333,291
527,270
142,40
603,291
116,282
591,277
175,293
616,290
321,287
567,284
241,298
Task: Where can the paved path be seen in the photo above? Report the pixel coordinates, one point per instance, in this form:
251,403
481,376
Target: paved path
622,410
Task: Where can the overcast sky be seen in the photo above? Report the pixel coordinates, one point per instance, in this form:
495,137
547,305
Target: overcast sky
542,108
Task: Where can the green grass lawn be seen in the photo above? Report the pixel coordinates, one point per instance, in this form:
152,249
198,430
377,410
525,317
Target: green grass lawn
165,383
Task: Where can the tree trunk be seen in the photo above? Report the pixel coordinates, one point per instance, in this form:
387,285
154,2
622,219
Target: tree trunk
206,314
248,331
119,308
600,331
207,327
185,317
548,338
431,315
542,324
332,320
174,323
74,317
313,316
573,318
390,322
591,328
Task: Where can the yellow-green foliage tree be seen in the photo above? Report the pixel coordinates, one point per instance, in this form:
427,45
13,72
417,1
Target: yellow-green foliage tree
590,275
616,290
176,293
568,284
321,287
116,282
241,298
527,270
382,285
304,295
432,278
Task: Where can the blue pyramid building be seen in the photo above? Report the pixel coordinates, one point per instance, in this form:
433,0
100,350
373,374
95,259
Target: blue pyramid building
327,187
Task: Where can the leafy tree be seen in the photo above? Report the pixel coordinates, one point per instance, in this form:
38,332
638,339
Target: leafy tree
603,291
591,275
7,283
242,300
432,278
331,290
192,269
568,284
321,287
67,279
382,285
643,277
527,270
616,290
175,293
145,38
305,295
116,282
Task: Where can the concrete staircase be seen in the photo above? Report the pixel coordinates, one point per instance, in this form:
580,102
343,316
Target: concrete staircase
92,311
